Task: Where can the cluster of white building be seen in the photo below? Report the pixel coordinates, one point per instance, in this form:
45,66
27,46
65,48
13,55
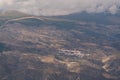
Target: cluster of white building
72,53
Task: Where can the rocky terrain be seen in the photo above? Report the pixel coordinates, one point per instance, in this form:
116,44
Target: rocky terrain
30,49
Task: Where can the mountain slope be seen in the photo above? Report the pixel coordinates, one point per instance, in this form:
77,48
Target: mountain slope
42,48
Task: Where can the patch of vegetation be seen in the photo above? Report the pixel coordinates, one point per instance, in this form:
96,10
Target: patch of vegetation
4,47
1,22
116,36
31,22
64,24
116,45
94,34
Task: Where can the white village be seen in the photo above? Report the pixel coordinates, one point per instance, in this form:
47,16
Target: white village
72,53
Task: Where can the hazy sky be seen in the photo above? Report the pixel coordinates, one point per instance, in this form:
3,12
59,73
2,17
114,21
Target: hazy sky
60,7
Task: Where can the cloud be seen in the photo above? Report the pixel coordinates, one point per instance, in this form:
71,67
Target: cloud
60,7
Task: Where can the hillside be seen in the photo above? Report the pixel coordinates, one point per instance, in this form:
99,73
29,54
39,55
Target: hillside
48,48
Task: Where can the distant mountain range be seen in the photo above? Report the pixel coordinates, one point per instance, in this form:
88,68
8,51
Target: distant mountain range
98,18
